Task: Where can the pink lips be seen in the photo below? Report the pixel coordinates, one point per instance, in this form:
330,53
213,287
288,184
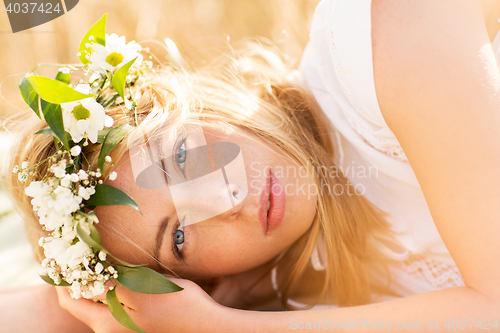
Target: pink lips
272,190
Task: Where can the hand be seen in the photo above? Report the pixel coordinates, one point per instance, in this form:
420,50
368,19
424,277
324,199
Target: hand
189,310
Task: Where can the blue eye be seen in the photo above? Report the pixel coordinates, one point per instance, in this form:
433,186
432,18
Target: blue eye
180,154
179,238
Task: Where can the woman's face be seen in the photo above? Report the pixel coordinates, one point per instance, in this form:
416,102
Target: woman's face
231,242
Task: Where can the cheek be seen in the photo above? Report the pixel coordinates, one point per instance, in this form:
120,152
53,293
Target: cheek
224,250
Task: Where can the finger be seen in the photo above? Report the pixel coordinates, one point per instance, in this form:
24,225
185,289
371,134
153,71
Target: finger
96,315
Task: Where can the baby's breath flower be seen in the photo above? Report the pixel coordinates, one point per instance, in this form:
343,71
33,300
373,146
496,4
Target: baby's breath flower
82,174
25,164
113,175
98,288
15,169
107,158
66,181
76,150
84,193
98,268
102,256
22,177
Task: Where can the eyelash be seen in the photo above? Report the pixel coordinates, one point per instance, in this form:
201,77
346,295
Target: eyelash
177,147
177,253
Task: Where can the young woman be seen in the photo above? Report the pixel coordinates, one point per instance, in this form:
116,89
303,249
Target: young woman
426,118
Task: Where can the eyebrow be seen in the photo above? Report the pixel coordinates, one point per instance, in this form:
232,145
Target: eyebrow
159,241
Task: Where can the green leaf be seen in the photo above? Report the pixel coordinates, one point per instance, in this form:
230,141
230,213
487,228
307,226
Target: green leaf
47,279
115,135
120,78
106,195
108,100
102,135
53,116
64,78
46,131
98,30
119,312
54,91
94,234
145,280
86,238
29,95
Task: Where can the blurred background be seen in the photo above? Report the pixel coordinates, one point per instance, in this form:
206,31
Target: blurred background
200,28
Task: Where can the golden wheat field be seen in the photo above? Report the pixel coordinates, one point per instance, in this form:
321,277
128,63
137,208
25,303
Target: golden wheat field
200,28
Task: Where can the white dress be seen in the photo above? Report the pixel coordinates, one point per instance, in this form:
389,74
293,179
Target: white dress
337,66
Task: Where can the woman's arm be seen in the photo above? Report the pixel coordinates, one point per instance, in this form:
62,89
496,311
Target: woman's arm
36,309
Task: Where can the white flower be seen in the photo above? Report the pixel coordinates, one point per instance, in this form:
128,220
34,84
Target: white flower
15,169
76,150
66,181
113,175
58,170
140,81
40,192
102,256
56,249
115,54
76,291
74,177
76,254
84,193
98,288
98,268
53,206
84,117
82,174
107,158
25,164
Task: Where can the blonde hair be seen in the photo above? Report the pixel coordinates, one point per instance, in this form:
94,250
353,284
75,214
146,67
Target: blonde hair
252,89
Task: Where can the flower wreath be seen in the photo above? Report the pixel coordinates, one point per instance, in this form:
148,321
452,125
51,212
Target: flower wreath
64,198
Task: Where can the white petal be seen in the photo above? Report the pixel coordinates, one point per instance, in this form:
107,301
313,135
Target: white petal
84,89
108,122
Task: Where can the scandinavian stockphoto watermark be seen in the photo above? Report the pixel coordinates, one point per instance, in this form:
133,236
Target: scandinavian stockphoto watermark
299,173
327,324
26,14
365,324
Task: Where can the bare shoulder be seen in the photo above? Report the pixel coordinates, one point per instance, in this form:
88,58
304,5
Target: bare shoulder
417,42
